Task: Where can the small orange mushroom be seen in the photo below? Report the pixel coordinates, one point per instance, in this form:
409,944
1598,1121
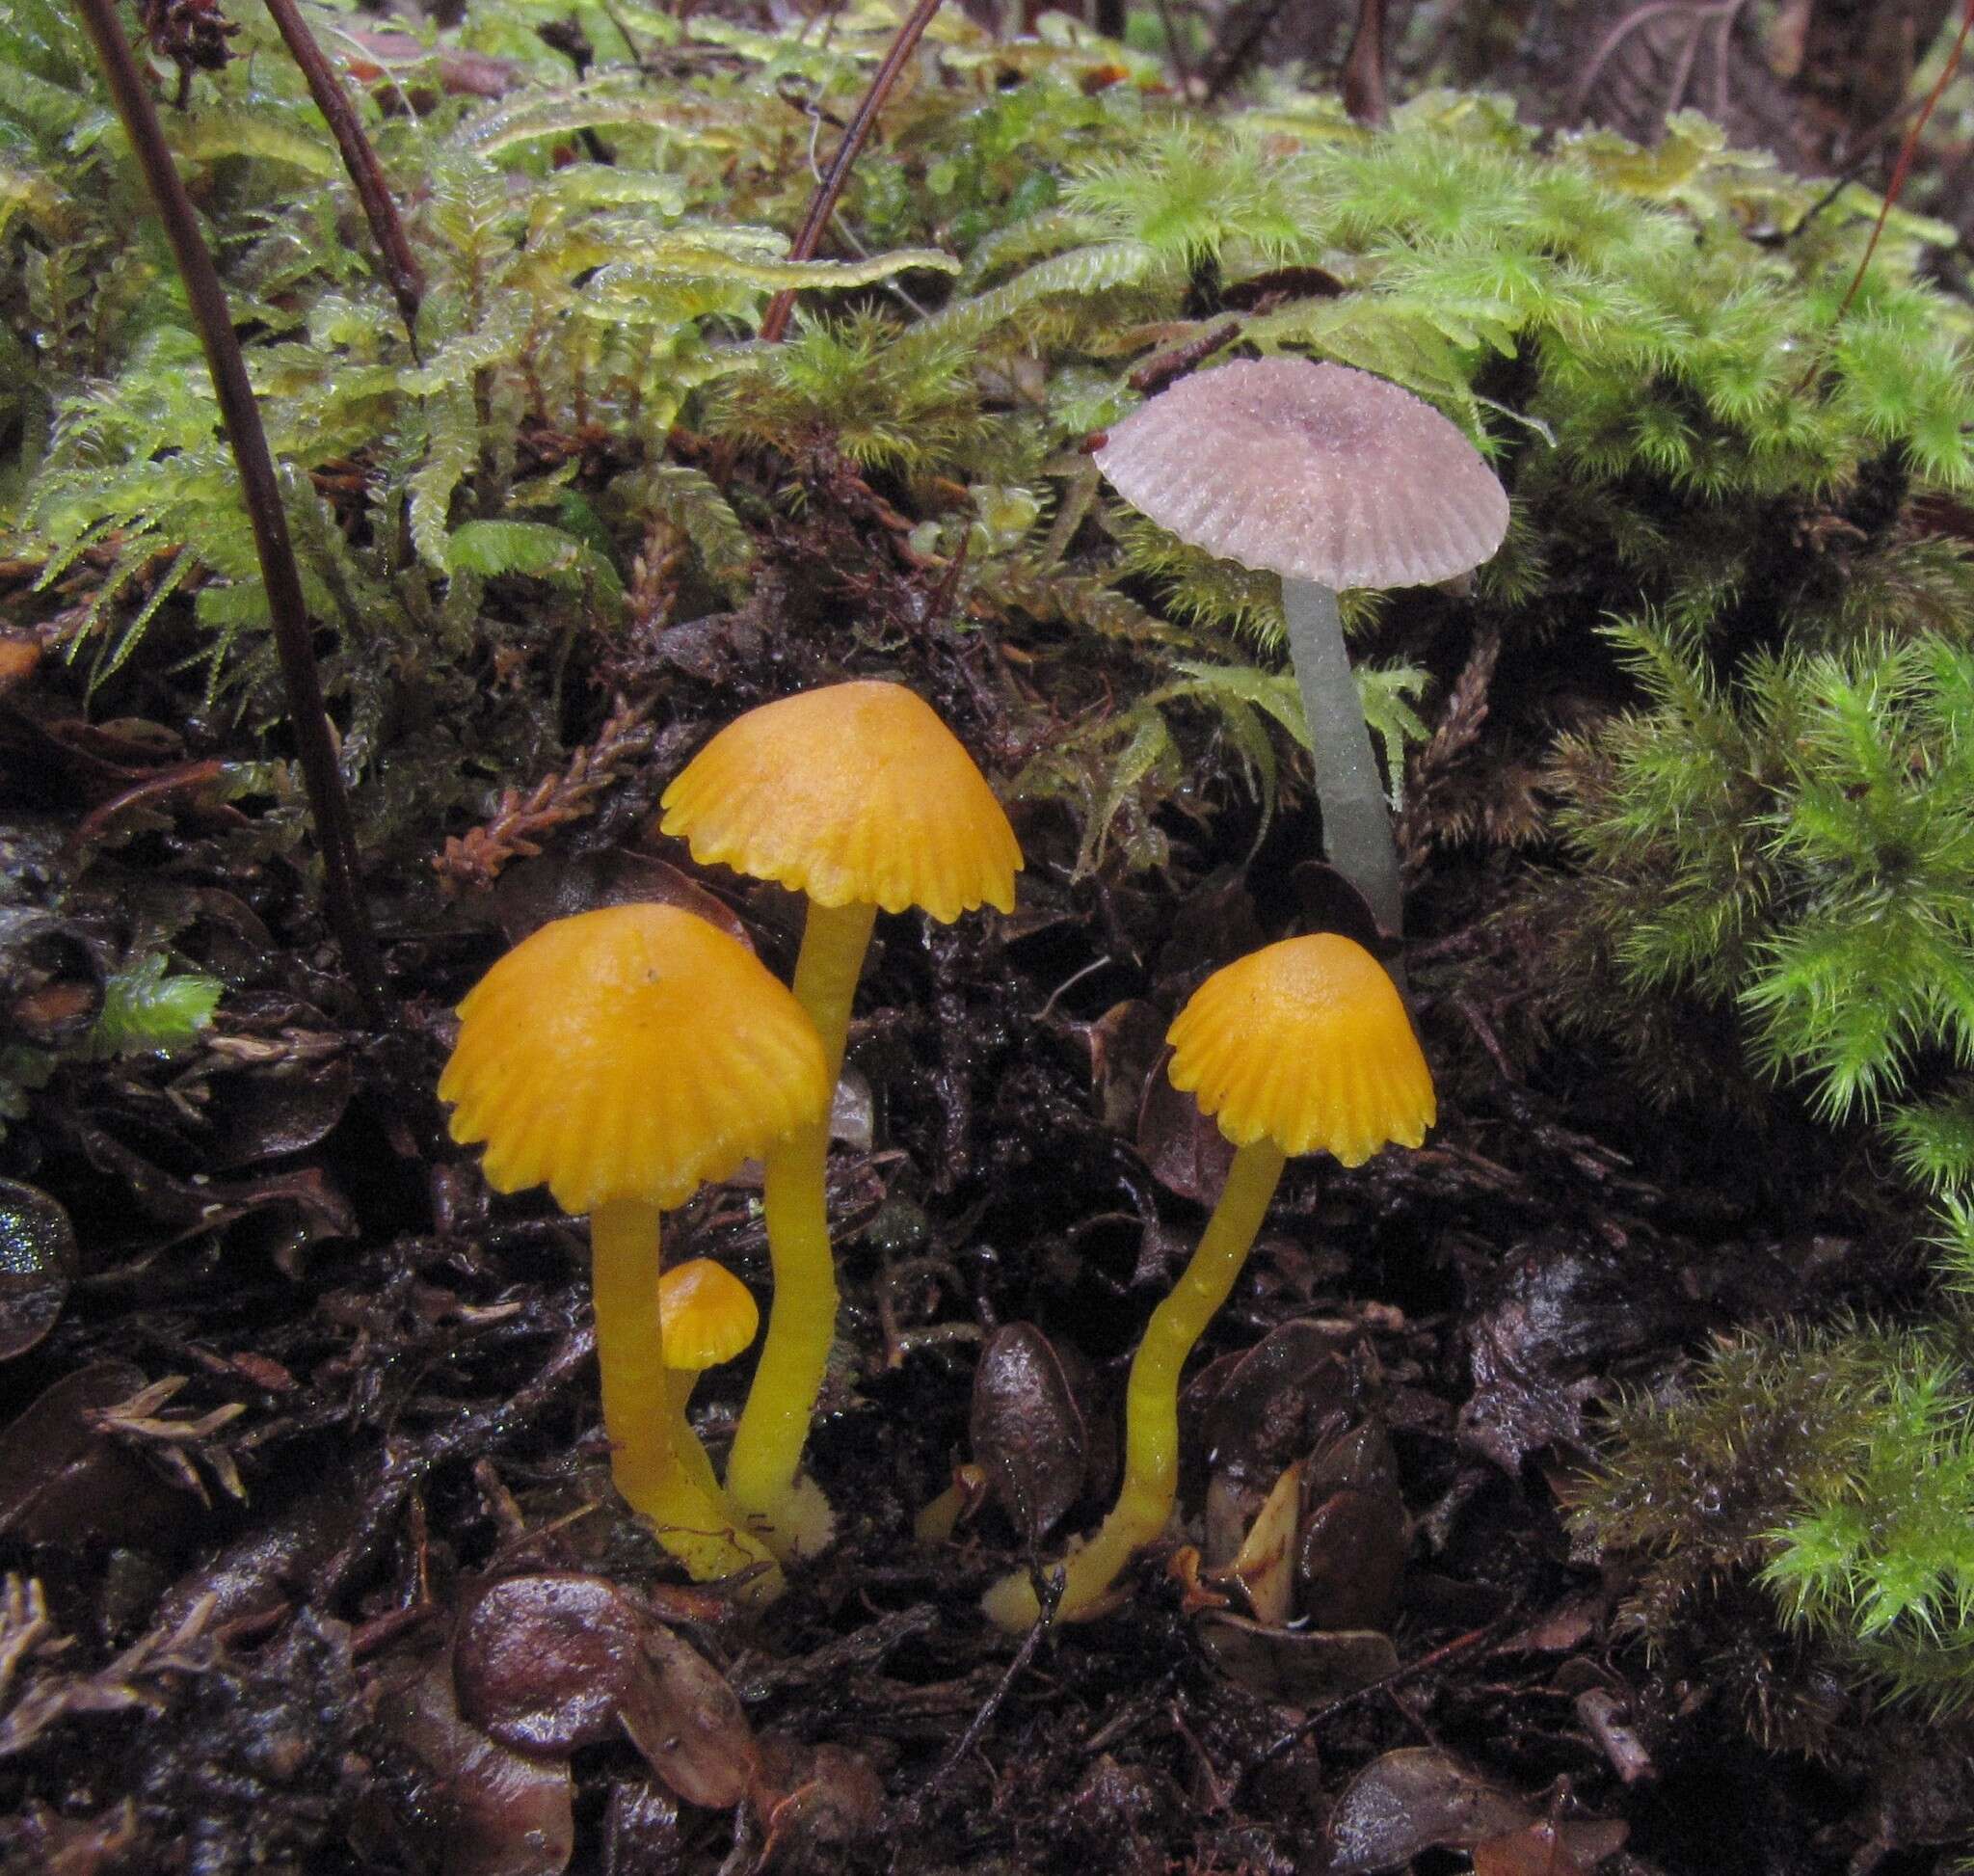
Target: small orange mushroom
709,1316
624,1057
859,797
1302,1047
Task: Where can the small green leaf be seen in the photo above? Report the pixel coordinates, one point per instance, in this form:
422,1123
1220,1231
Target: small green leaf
148,1011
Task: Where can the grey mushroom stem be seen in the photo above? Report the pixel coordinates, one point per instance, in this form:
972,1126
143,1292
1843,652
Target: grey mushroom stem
1349,785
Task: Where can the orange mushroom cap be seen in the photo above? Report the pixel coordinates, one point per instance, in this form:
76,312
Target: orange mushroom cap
708,1314
634,1051
853,794
1306,1043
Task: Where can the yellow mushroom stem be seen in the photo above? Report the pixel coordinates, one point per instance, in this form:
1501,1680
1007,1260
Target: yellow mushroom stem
1151,1401
688,1453
649,1462
802,1317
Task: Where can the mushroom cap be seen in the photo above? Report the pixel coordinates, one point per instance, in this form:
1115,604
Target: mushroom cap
856,792
707,1313
1316,471
1306,1043
634,1051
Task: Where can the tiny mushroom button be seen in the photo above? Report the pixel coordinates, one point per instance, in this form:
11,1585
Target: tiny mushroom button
710,1317
1333,479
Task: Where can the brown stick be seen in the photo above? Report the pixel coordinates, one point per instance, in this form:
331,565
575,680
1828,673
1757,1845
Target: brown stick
1229,61
1364,94
307,718
823,204
366,173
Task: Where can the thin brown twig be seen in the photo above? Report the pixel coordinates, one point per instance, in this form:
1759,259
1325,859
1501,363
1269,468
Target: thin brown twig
1410,1672
774,328
1049,1589
1175,48
1363,76
307,715
1229,63
366,173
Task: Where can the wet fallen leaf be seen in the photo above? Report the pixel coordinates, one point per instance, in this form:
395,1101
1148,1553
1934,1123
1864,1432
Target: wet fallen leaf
282,1104
253,1576
559,1659
1537,1851
62,1479
1266,1565
497,1813
1350,1559
1572,1848
1352,1548
1186,1153
1289,1396
687,1721
1562,1314
1027,1430
544,1662
1297,1667
39,1261
640,1831
1417,1799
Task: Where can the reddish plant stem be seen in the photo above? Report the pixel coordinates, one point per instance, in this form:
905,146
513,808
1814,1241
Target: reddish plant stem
823,204
308,718
174,781
1907,149
366,173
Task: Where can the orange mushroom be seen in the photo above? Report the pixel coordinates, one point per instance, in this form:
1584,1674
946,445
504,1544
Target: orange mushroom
1302,1047
709,1316
859,797
624,1057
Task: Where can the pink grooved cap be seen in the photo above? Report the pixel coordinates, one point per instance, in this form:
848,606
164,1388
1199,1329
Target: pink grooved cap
1316,471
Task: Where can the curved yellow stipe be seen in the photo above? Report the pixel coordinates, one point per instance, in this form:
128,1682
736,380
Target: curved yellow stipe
762,1468
1151,1401
650,1445
622,1058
